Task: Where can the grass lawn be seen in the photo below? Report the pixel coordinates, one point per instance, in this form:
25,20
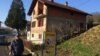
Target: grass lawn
87,44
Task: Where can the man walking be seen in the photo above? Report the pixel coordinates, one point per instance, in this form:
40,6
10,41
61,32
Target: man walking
17,47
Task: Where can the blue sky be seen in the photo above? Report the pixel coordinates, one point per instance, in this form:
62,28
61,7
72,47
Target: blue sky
5,6
88,6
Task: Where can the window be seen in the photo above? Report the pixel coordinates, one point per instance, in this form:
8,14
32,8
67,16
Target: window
40,11
40,8
32,35
81,25
40,22
33,23
40,36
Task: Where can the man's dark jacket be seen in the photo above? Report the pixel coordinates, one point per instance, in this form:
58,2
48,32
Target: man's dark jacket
17,47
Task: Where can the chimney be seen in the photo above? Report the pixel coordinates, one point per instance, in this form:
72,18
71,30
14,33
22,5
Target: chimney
52,0
66,4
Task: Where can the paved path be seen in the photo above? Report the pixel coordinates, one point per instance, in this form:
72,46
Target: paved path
4,51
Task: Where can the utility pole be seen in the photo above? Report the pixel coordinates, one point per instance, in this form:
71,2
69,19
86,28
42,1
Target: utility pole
0,24
42,46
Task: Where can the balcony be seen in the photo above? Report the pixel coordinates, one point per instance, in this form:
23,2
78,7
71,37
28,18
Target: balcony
40,16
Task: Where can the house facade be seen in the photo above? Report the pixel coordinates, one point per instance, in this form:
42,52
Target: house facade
49,16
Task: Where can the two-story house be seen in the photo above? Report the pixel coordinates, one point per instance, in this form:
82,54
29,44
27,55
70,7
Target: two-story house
49,16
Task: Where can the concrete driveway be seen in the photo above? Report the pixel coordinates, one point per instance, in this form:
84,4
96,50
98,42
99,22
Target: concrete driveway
4,51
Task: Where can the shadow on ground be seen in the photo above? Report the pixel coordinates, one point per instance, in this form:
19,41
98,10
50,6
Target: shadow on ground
28,55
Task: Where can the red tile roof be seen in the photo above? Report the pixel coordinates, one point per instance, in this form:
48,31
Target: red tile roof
55,5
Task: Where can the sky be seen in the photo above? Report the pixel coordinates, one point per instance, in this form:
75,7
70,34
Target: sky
5,6
89,6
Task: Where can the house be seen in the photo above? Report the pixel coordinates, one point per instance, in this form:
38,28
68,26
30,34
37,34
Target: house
28,30
49,16
28,25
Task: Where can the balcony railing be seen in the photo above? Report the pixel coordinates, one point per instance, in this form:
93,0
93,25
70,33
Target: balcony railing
40,16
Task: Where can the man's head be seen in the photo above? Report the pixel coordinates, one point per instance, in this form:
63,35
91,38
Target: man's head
18,36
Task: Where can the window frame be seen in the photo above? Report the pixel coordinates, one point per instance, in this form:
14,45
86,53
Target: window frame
34,24
40,36
32,35
40,22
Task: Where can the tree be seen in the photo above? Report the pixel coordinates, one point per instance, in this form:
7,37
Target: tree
16,16
89,21
96,18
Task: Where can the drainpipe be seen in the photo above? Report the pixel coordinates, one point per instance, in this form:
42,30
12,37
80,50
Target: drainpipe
52,0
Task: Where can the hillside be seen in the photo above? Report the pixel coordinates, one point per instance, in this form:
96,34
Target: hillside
87,44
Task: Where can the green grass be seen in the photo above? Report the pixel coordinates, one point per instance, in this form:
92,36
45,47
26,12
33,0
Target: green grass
87,44
79,49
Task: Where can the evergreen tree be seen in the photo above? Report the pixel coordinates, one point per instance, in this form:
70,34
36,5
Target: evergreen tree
16,16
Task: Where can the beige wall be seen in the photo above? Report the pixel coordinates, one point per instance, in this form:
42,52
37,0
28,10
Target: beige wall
38,30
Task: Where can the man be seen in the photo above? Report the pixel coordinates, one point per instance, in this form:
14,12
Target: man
17,47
